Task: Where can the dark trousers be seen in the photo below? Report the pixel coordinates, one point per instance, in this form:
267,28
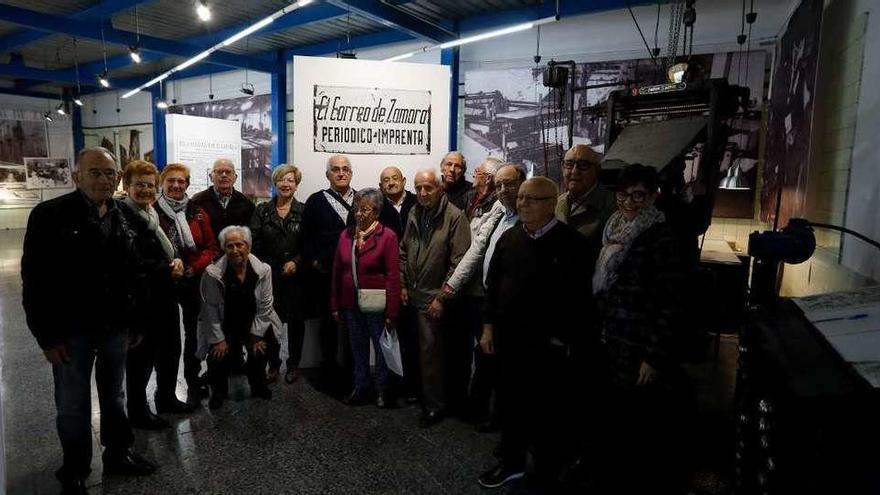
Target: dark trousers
73,399
407,332
484,380
533,395
432,361
160,350
219,370
459,344
363,328
190,303
296,330
333,375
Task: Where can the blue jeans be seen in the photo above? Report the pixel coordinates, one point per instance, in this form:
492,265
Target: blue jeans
363,327
73,399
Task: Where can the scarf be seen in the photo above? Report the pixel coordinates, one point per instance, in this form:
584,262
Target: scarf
176,210
363,235
152,218
617,238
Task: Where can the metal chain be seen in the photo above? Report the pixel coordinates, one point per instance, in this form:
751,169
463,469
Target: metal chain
676,17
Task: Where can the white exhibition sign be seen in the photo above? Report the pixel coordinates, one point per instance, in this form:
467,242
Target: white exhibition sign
198,141
372,121
379,113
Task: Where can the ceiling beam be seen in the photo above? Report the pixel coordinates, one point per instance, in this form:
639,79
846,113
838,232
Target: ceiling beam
395,19
105,9
92,30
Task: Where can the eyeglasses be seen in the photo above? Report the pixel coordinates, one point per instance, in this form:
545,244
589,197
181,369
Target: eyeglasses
144,185
635,196
365,211
581,165
532,199
107,173
340,170
508,184
223,173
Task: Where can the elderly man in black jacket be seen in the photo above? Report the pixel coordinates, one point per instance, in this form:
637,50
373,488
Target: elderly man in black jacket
79,309
398,201
325,215
537,287
224,205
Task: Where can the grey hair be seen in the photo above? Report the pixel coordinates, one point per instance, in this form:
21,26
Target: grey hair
224,161
459,155
371,194
94,149
330,160
523,171
240,229
437,176
491,165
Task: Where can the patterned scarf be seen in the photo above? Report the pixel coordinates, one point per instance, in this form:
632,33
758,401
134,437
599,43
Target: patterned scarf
152,219
363,235
617,238
176,210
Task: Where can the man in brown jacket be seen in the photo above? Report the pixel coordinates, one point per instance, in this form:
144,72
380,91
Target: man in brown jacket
585,205
434,241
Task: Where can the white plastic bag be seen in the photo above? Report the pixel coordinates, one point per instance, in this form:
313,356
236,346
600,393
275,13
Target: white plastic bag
391,351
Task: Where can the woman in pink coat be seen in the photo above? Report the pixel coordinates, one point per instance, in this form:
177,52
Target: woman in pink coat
375,251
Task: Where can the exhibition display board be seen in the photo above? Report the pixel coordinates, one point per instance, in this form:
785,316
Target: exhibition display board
378,113
198,141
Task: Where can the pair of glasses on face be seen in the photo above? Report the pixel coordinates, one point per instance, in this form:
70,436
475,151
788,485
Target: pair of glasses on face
106,173
635,196
532,199
340,170
144,186
581,165
223,173
365,211
508,184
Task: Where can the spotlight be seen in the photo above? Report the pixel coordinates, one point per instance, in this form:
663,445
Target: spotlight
78,101
247,88
48,116
135,52
60,110
203,11
102,79
162,105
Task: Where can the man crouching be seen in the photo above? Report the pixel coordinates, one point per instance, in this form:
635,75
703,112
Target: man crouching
236,311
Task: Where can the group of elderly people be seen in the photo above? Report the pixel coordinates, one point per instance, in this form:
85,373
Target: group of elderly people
537,313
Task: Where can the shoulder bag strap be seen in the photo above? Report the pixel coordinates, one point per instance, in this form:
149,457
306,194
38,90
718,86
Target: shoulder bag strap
354,267
335,195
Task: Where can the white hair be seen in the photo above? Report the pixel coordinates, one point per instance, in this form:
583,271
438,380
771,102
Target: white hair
491,165
94,149
334,157
243,231
430,170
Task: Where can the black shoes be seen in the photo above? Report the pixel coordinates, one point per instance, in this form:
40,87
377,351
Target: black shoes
261,392
74,487
174,406
196,390
499,476
356,398
127,463
431,418
146,420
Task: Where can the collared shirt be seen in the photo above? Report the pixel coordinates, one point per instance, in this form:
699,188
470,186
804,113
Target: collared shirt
398,205
574,205
104,223
507,221
341,210
543,230
223,199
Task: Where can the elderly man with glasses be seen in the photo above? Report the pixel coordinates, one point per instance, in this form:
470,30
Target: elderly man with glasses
79,276
224,205
585,204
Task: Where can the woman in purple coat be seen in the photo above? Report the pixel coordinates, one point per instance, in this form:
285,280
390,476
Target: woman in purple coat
373,249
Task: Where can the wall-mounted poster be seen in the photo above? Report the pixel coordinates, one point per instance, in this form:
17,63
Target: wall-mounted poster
789,127
373,121
128,143
198,142
21,138
48,173
255,115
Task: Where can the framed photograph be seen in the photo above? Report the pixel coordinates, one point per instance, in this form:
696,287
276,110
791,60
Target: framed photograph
48,173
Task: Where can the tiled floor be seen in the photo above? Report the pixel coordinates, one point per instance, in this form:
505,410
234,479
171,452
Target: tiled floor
299,442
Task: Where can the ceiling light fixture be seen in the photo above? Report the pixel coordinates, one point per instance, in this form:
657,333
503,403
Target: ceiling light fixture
78,101
477,37
60,110
135,53
103,79
203,11
232,39
48,116
161,104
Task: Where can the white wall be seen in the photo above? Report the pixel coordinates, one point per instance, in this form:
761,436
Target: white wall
60,137
864,183
99,109
368,74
